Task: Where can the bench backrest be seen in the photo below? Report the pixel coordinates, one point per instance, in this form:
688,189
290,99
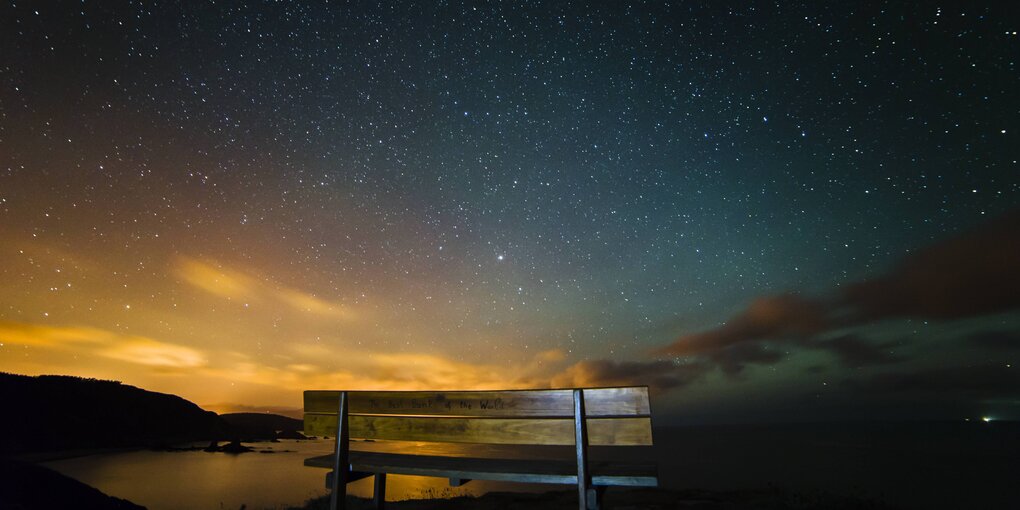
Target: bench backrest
614,416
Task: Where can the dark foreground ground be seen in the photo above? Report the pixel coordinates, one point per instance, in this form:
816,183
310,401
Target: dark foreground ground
633,499
26,486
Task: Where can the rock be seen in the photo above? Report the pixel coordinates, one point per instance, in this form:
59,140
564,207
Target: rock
235,447
290,434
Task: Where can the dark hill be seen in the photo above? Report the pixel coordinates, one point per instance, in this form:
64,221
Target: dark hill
50,412
261,425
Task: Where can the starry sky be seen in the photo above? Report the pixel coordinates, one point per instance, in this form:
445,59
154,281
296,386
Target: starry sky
793,211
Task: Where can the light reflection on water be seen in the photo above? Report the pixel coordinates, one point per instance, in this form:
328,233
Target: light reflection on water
199,480
417,487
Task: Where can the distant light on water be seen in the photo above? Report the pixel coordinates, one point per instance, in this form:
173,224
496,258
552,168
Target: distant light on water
986,419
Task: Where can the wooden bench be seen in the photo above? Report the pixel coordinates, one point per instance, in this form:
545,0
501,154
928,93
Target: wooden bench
574,417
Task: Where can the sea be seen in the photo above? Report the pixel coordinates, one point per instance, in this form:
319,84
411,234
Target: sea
907,465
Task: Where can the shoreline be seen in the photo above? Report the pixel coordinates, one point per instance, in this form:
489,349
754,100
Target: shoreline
40,457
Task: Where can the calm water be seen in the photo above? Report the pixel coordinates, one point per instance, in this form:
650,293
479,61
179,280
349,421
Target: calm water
200,480
913,465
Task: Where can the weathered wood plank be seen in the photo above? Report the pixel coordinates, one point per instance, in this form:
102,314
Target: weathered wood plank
508,470
627,401
536,431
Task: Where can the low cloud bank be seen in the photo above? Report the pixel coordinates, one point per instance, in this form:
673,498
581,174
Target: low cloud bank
973,274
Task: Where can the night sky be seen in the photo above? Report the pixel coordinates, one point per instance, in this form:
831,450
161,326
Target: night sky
768,212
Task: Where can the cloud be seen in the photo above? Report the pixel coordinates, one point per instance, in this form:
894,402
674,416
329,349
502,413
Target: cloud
87,340
308,303
752,335
973,274
217,280
428,371
551,356
37,335
240,287
364,370
787,315
309,365
854,351
658,375
734,358
146,351
302,367
319,366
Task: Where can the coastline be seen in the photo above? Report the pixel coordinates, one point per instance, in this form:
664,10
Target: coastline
50,456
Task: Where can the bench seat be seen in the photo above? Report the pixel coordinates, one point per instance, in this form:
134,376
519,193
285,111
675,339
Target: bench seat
503,470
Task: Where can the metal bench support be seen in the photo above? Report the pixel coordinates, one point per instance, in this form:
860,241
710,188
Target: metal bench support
587,496
379,496
341,458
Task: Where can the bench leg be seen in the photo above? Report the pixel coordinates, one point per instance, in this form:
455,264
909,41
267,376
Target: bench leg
379,498
594,498
341,458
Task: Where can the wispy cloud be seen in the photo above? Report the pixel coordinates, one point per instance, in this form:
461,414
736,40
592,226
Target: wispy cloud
98,342
39,335
241,287
146,351
308,303
217,280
